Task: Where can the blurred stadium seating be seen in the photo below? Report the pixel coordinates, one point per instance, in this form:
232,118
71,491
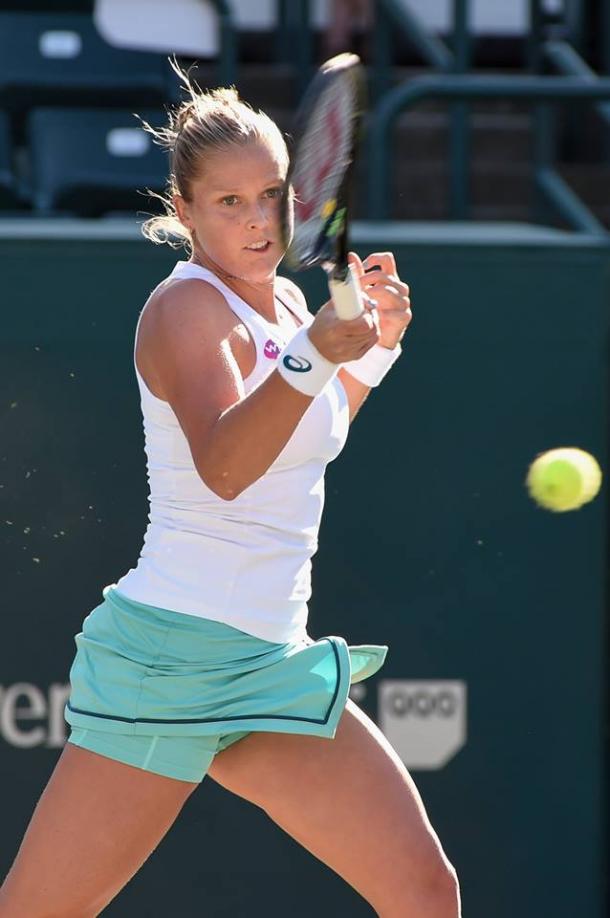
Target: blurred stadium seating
84,162
62,59
53,56
90,162
9,195
47,6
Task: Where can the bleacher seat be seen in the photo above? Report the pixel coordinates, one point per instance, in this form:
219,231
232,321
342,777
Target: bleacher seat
91,162
47,6
9,196
61,59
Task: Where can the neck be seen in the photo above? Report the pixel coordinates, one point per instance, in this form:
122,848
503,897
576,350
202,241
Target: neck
258,295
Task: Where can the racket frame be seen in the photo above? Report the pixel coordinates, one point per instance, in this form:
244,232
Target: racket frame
330,249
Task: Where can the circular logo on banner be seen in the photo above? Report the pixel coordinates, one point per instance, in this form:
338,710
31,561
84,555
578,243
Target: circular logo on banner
298,364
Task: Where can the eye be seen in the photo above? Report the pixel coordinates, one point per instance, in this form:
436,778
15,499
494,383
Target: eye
230,200
273,192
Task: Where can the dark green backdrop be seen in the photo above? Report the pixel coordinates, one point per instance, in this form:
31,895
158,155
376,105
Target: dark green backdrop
429,544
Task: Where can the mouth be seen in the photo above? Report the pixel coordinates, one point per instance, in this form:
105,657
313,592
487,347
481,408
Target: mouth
263,246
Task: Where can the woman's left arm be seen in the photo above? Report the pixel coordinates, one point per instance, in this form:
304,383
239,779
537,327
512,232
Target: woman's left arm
380,281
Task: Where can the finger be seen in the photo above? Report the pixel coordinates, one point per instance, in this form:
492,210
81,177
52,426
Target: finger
380,278
357,327
380,284
378,290
396,317
371,310
374,276
370,320
385,261
389,295
391,283
375,317
354,259
387,300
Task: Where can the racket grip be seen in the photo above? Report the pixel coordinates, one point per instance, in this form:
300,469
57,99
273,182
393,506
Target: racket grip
346,295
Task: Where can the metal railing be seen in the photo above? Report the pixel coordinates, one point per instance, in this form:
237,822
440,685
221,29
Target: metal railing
457,87
397,16
560,47
557,47
294,40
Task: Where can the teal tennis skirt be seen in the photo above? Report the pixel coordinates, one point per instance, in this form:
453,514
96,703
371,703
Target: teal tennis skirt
144,671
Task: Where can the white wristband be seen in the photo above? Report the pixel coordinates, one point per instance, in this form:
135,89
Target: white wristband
303,366
371,368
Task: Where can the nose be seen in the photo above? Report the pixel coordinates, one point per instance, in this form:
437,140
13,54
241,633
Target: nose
258,216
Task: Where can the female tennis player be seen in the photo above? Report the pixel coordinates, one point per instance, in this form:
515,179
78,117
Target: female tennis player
198,660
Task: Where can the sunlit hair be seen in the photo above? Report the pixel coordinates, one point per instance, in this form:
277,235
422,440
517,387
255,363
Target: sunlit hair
205,123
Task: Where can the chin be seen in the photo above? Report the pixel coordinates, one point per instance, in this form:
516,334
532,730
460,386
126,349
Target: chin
259,274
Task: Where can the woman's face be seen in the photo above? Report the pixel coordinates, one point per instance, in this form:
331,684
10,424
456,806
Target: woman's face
234,214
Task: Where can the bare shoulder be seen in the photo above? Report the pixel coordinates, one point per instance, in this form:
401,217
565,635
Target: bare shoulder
186,317
190,302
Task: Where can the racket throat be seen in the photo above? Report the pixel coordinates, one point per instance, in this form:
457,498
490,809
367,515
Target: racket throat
337,273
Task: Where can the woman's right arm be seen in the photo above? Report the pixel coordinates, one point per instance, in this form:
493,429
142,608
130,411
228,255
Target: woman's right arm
233,437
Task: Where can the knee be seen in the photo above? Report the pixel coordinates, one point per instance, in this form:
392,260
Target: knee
441,889
422,887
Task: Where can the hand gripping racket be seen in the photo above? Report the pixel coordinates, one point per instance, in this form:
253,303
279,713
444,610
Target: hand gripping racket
319,180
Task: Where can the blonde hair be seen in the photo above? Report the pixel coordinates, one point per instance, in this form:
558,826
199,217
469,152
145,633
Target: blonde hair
207,122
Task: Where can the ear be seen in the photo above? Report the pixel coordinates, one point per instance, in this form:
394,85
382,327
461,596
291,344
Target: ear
182,209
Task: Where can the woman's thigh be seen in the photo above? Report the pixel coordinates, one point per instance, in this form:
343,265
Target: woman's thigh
351,802
94,826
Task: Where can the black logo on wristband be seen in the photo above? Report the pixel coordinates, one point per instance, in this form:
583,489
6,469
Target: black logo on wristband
298,364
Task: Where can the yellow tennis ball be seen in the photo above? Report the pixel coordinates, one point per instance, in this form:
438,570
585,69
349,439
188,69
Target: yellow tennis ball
564,479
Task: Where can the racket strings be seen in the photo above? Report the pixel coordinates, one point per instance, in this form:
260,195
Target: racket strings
321,159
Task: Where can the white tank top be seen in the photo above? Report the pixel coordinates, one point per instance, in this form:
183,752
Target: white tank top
245,562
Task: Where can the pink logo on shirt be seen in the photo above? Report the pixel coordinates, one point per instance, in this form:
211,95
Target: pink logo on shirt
272,350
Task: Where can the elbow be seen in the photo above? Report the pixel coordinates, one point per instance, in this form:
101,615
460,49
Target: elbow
228,494
221,484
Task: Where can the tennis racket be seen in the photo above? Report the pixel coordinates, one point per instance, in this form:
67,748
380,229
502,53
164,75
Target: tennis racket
315,204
